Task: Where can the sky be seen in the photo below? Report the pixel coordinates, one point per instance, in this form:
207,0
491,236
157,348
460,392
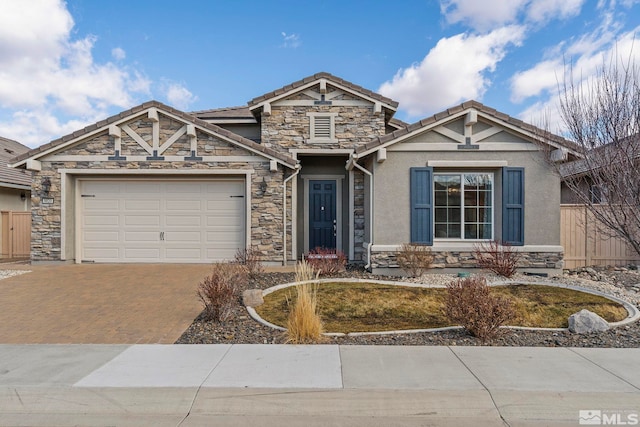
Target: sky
65,65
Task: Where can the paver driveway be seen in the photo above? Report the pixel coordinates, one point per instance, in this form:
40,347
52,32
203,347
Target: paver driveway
107,304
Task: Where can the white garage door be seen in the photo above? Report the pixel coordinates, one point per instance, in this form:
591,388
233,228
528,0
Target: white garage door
161,221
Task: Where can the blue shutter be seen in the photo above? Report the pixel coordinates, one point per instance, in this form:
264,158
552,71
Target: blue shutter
513,206
421,205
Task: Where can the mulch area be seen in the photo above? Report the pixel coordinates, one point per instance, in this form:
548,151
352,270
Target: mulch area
242,329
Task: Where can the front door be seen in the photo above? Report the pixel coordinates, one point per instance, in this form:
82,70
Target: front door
322,214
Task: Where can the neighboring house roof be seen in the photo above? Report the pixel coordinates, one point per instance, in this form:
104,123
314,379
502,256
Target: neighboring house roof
625,149
77,135
307,81
232,114
10,177
426,123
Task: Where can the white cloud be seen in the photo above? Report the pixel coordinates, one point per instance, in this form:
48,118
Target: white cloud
46,74
291,40
587,60
179,96
453,71
118,53
481,17
478,15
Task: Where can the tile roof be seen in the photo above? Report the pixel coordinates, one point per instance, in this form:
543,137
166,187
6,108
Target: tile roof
329,77
8,150
287,160
457,109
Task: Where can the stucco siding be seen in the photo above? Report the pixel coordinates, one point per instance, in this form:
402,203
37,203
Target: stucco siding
542,193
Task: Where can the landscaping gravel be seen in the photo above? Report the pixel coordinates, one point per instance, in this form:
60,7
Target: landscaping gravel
623,283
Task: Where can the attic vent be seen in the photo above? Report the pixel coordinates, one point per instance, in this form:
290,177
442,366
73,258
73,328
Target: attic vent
322,127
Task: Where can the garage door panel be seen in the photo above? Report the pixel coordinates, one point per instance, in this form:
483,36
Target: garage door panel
183,236
184,220
142,205
103,236
200,220
183,254
141,236
112,254
142,187
101,220
148,253
184,205
101,205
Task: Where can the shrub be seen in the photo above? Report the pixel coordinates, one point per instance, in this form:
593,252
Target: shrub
327,261
499,257
251,261
304,325
414,259
218,292
470,303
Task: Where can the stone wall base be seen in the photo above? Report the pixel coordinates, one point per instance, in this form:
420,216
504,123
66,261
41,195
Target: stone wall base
549,263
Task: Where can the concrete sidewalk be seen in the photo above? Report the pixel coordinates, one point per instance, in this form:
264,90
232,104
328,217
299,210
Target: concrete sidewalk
275,385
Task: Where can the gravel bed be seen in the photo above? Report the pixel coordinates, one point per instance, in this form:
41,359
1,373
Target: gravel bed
621,282
9,273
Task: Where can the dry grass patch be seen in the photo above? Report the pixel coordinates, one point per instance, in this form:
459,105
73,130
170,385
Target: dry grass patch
369,307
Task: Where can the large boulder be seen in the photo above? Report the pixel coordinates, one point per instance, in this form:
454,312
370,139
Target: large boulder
586,321
252,298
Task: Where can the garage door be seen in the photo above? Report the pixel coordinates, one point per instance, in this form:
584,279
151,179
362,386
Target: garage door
161,221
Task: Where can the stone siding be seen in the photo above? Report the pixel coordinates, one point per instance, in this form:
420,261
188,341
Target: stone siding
359,217
289,127
266,207
466,260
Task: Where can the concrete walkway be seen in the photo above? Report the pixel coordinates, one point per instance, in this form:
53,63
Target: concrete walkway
277,385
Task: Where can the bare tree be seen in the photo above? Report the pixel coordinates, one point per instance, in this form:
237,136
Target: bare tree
602,118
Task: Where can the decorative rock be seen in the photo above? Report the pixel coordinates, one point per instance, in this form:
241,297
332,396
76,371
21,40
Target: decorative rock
586,321
252,297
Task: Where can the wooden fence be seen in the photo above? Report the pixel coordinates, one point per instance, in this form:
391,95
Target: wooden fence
16,234
584,244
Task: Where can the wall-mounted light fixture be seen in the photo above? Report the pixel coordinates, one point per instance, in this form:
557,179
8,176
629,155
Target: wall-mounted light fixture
46,185
23,196
263,186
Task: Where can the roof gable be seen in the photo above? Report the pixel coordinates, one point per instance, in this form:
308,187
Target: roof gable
117,124
322,79
470,110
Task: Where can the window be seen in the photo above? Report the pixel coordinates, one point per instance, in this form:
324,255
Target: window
598,194
463,204
322,127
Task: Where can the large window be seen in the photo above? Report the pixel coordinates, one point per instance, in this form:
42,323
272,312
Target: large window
463,205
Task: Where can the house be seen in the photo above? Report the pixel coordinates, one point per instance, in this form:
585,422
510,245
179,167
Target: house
320,162
15,196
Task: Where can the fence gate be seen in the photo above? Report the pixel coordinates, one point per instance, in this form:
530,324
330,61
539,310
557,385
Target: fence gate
16,234
586,244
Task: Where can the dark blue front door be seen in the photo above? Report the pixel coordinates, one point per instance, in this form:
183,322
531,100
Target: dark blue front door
322,214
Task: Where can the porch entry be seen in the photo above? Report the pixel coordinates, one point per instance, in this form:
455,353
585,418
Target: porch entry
322,214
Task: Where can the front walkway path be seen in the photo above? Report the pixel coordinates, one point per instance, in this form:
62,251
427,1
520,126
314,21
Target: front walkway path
115,303
276,385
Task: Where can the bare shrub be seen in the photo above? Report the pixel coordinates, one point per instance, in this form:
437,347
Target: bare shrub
251,260
304,325
499,257
414,259
470,303
327,261
218,292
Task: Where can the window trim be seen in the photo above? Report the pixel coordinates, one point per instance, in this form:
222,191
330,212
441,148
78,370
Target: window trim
312,127
462,222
